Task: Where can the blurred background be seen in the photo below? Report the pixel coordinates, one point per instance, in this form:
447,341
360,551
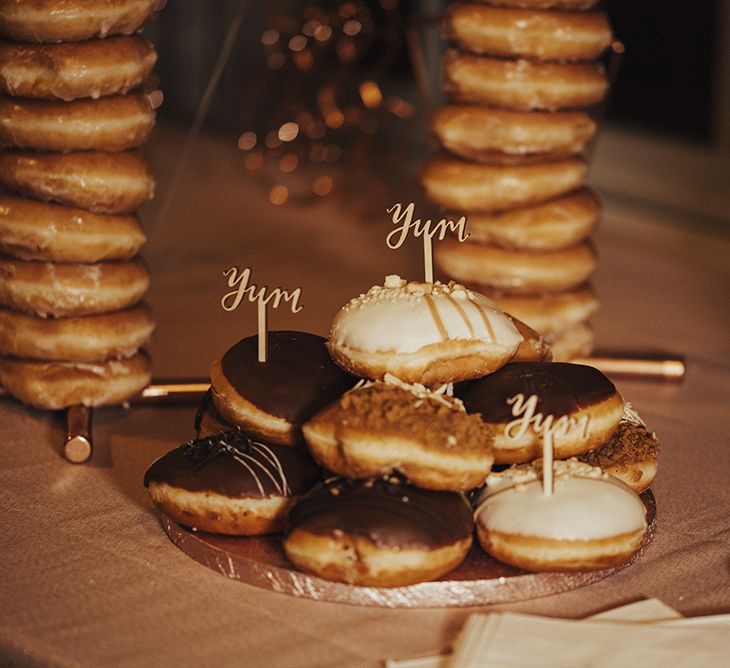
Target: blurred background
286,128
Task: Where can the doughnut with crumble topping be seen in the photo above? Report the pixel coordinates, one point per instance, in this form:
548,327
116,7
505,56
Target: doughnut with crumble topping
630,454
71,289
92,180
113,123
378,532
77,69
581,396
429,333
272,399
230,484
71,20
56,385
522,85
32,230
536,35
90,338
392,426
590,521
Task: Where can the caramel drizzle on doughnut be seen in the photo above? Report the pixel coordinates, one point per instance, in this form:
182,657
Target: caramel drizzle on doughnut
485,318
243,458
462,313
443,333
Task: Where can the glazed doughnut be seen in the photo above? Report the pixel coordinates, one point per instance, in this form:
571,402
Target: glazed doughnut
229,484
381,427
537,35
113,123
46,289
630,454
515,272
548,226
549,313
521,84
494,135
592,406
379,533
572,342
422,333
55,385
76,69
91,338
33,230
272,400
464,186
71,20
92,180
591,521
542,4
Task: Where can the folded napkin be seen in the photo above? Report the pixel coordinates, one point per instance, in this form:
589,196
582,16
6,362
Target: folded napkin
649,632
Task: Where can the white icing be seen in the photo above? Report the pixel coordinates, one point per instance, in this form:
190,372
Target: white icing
631,416
586,504
396,317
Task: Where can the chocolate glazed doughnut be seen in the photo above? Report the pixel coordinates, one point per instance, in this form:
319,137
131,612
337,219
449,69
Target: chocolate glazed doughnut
273,399
378,532
230,484
581,393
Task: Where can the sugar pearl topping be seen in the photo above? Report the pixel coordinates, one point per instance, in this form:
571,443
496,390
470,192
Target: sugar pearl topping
586,504
404,316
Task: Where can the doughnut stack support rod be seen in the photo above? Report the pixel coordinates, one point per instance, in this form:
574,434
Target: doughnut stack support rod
522,79
72,119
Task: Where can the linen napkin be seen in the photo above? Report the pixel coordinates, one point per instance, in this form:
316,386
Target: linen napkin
644,611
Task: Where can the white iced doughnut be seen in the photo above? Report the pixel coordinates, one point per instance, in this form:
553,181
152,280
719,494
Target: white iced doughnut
590,521
422,333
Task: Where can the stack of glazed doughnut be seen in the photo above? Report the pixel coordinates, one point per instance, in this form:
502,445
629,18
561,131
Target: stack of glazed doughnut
400,449
72,119
520,79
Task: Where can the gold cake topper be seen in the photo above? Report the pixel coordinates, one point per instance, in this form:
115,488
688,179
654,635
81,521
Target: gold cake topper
244,289
527,417
403,218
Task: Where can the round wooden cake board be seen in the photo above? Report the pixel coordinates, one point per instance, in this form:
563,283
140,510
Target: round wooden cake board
479,580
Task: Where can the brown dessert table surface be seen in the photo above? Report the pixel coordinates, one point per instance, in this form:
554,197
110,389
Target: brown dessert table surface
90,579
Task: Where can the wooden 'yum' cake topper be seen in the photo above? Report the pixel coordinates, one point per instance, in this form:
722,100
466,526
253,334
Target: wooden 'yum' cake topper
406,222
527,417
245,290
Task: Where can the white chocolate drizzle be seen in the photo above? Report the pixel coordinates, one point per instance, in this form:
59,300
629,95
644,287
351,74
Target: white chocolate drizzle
278,477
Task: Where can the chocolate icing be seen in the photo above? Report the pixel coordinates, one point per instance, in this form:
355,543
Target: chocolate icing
297,379
223,464
388,512
562,388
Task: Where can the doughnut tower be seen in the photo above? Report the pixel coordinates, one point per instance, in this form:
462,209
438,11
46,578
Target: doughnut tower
72,325
520,79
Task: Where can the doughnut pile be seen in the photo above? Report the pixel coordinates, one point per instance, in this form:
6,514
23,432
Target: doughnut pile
365,452
521,77
72,119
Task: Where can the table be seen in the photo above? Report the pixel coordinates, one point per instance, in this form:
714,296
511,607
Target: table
90,579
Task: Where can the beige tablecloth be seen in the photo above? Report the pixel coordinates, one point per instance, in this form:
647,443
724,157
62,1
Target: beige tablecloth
90,579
